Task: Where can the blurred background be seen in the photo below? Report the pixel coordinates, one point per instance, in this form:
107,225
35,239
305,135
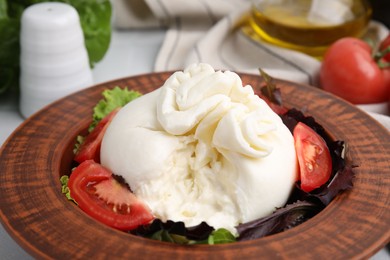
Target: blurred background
381,11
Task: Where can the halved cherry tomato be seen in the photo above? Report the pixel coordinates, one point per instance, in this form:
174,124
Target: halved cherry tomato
103,198
314,159
90,148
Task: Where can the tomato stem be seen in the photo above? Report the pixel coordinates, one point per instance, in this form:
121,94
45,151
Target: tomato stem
382,64
378,55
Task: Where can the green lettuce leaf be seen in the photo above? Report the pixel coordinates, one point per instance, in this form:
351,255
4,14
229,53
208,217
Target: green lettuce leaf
112,98
65,189
221,236
79,140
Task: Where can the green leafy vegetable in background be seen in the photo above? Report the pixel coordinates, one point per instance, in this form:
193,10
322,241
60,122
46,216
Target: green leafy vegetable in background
95,19
9,48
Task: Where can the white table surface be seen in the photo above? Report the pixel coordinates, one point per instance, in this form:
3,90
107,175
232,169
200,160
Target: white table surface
130,53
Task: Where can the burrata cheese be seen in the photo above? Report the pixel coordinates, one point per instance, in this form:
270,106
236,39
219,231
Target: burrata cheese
203,147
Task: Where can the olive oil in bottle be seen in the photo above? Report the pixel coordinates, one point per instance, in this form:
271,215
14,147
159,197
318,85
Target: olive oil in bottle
309,26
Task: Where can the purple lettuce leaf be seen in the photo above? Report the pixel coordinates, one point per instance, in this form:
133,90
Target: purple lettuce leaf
282,219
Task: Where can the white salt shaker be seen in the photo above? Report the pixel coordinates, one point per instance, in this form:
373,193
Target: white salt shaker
54,61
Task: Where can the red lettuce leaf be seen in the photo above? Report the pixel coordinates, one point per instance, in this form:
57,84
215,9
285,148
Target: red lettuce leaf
282,219
342,180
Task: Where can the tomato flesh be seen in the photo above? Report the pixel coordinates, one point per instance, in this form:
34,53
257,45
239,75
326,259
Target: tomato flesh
90,148
102,197
314,158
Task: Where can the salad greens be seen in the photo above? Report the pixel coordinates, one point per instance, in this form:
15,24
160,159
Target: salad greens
95,19
282,219
176,232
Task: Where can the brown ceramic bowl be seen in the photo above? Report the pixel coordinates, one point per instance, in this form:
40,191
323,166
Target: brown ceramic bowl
38,216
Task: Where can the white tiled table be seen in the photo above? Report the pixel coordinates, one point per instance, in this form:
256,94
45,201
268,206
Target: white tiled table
130,53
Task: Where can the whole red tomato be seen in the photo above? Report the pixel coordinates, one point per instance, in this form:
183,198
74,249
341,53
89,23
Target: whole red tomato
350,72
